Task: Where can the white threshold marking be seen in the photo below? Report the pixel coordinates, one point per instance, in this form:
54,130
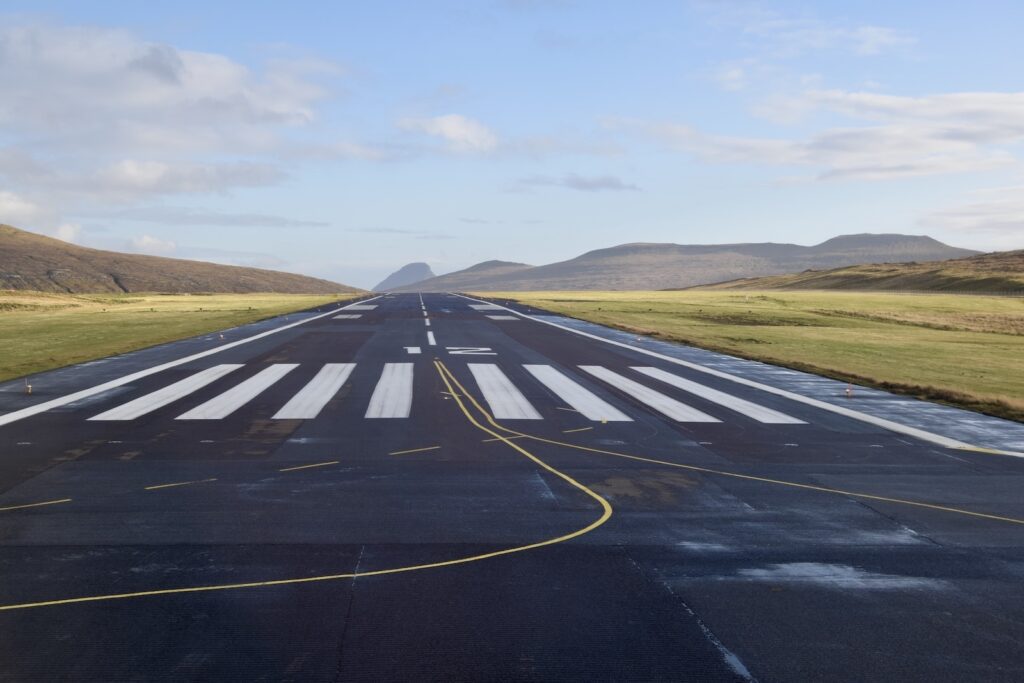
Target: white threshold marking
392,397
742,406
666,405
348,316
312,398
21,414
915,432
505,400
169,394
412,349
585,402
430,339
485,307
361,307
502,317
231,400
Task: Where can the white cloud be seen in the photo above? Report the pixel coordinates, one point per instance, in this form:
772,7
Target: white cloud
20,212
461,134
68,232
995,214
574,181
147,244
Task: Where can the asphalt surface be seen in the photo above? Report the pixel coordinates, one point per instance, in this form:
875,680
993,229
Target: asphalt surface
398,530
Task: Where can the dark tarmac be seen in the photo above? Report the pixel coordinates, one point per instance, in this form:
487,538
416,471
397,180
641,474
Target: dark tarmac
403,531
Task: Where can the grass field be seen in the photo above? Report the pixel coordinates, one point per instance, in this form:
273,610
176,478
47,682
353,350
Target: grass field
40,331
963,350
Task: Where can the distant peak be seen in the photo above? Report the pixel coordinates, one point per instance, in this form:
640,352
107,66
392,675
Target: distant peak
409,274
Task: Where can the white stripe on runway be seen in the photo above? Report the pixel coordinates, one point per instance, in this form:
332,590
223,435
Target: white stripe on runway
506,402
580,399
392,396
666,405
503,317
424,314
312,398
412,349
231,400
348,316
426,321
751,410
361,307
430,339
169,394
485,307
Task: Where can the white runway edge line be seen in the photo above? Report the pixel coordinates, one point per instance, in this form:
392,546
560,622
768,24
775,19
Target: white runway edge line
921,434
16,415
392,397
169,394
666,405
506,402
751,410
219,407
583,401
312,398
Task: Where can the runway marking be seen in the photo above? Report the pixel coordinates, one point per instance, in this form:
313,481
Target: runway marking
430,339
392,397
426,321
424,314
735,475
179,483
362,307
606,513
169,394
921,434
412,350
348,316
744,407
502,317
312,398
507,438
231,400
16,415
306,467
666,405
568,410
485,307
505,400
35,505
582,400
415,450
578,429
470,351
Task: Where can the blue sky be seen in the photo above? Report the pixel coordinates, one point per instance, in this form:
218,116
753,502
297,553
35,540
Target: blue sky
346,140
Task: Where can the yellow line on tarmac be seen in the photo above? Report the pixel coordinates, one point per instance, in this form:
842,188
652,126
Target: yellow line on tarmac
508,438
179,483
578,429
306,467
606,513
737,475
415,450
35,505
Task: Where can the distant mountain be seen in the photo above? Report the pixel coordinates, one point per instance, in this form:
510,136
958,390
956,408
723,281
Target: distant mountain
408,274
667,266
31,261
998,272
470,278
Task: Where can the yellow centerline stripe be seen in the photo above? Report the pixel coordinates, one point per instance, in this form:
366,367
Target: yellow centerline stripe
749,477
306,467
415,450
35,505
606,513
508,438
179,483
578,429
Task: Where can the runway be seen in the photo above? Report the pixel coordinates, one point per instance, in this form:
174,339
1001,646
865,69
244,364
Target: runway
434,487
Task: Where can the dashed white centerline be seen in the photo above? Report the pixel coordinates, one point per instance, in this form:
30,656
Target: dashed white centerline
430,339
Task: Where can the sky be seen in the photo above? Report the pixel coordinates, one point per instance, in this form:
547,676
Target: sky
346,139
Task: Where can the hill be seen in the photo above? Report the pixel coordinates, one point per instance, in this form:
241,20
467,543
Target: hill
408,274
645,266
34,262
996,273
482,274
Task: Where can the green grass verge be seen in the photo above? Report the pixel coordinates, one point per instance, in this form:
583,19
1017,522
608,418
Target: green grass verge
41,331
962,350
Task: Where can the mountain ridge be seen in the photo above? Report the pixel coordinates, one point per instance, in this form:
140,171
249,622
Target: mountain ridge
651,265
409,274
30,261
